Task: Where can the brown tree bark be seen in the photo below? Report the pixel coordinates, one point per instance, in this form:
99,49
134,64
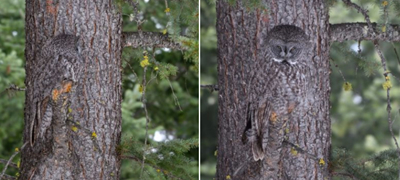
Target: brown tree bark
94,103
241,32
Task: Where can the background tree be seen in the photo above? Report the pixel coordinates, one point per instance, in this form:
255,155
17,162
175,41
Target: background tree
362,129
175,80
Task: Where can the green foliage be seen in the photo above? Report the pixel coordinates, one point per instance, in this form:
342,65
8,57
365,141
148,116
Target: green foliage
209,101
166,160
11,72
12,24
383,165
12,104
171,93
192,52
364,60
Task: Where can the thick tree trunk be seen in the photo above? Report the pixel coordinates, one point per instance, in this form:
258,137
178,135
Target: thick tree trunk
82,143
241,32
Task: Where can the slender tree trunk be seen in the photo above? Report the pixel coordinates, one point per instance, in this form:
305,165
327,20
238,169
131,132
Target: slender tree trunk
82,144
241,31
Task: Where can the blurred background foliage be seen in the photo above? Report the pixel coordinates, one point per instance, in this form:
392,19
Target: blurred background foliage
171,95
359,117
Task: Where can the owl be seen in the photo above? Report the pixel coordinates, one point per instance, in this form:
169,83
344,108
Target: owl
276,89
57,62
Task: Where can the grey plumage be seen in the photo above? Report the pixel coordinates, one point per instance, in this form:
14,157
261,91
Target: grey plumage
278,83
58,61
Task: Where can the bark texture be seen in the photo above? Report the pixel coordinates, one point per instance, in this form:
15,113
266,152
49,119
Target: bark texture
241,32
92,105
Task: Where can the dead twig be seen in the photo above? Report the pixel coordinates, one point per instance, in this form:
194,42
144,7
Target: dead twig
9,160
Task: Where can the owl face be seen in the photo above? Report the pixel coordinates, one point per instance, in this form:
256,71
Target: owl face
286,44
286,52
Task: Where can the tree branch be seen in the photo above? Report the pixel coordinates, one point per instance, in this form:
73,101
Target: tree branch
389,107
364,12
212,88
2,175
359,31
149,39
8,177
14,165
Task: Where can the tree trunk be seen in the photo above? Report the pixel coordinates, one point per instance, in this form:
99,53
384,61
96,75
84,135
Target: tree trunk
80,140
241,31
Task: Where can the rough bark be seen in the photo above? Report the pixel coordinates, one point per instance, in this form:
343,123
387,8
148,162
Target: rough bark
94,105
240,33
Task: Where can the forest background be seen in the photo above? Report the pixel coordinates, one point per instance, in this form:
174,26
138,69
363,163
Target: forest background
359,117
171,95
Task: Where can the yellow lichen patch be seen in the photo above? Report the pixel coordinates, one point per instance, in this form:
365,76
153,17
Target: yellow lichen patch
94,135
144,63
347,86
55,94
67,87
273,117
228,177
384,29
387,85
321,162
141,89
74,128
216,153
69,110
287,130
293,151
385,3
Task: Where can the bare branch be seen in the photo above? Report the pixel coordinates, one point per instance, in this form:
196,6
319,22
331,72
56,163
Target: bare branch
212,88
386,72
8,177
389,107
364,12
149,39
9,161
359,31
14,165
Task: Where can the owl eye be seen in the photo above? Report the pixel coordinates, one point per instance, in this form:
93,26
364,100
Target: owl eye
294,50
276,49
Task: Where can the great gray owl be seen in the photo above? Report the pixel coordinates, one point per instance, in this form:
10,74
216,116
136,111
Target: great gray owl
57,63
276,89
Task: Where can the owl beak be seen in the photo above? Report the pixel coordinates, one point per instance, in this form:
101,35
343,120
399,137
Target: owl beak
285,62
